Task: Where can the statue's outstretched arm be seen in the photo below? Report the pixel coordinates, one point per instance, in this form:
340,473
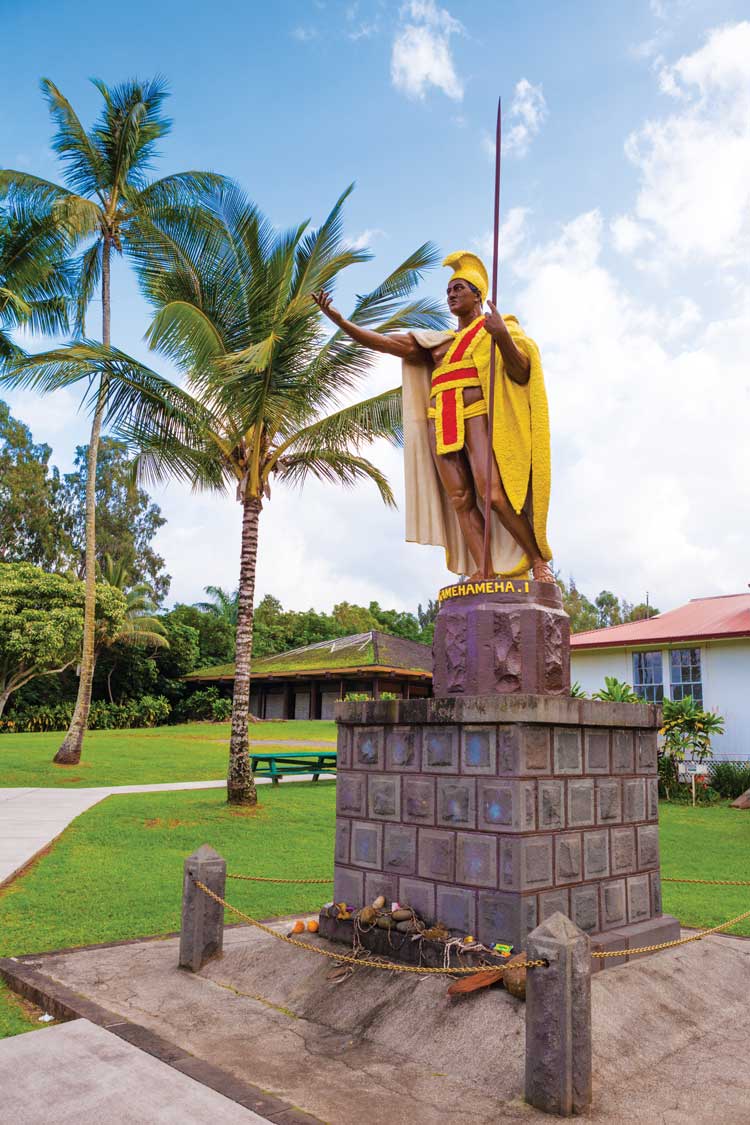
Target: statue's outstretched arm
401,344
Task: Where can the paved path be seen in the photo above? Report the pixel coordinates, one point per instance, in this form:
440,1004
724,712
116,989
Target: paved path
30,819
79,1073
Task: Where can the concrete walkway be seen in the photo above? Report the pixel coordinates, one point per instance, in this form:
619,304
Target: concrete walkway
30,819
79,1073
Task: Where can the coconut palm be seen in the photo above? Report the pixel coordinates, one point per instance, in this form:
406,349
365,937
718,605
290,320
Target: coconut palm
234,311
223,604
140,627
265,395
35,275
104,204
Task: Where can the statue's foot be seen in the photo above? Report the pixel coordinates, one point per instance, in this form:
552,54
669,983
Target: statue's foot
542,572
477,576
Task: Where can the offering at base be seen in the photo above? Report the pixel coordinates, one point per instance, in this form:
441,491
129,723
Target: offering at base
399,933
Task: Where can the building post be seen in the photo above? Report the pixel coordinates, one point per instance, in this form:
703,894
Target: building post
558,1018
202,929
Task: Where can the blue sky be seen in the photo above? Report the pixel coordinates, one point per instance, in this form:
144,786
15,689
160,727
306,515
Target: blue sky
626,206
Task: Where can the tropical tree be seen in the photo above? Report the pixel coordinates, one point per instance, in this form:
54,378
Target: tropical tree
265,389
234,310
35,274
139,627
103,208
223,604
41,623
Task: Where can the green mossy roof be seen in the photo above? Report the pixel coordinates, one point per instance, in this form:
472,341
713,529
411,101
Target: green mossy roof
343,654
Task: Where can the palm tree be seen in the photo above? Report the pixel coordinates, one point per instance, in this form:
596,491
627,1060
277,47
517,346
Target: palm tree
265,389
224,604
140,627
35,276
103,208
234,311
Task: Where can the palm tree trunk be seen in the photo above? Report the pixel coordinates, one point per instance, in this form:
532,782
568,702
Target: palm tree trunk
69,753
240,782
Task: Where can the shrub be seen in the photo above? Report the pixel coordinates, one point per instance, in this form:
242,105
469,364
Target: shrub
365,697
577,692
148,711
205,705
730,779
616,691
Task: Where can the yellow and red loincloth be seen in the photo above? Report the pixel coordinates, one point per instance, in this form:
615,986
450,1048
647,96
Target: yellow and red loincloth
457,372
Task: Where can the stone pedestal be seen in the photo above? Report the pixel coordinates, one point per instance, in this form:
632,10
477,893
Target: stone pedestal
501,636
490,813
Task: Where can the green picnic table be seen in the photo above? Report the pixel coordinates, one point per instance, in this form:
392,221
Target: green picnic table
276,765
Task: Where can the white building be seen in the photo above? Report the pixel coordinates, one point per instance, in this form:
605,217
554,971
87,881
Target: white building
700,649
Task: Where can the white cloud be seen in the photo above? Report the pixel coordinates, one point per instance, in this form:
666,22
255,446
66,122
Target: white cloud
648,412
694,163
512,236
304,34
528,112
421,56
362,240
628,235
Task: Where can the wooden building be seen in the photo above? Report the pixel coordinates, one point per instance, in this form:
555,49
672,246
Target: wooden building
305,683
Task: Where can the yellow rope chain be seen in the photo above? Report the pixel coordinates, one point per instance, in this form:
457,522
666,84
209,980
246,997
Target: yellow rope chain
672,944
710,882
519,965
388,965
263,879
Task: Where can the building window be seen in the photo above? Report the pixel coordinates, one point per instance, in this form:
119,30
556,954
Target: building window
648,681
686,674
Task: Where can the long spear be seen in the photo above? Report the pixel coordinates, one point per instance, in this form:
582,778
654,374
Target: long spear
487,568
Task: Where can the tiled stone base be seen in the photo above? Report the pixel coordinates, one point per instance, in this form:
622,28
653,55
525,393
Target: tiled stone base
490,813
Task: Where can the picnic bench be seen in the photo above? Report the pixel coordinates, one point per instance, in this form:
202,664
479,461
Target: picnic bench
276,765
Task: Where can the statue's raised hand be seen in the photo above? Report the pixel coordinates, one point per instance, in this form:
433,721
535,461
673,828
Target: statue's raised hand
324,301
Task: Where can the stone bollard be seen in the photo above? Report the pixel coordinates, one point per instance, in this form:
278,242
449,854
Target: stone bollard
202,930
558,1018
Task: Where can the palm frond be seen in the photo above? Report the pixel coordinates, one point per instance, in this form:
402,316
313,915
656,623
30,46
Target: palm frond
185,334
89,276
349,428
342,468
84,166
383,301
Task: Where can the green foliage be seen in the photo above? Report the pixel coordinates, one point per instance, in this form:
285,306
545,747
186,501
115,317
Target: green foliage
606,609
183,653
577,692
688,729
366,697
205,705
32,525
730,779
41,622
223,605
148,711
35,277
126,518
215,635
616,691
276,630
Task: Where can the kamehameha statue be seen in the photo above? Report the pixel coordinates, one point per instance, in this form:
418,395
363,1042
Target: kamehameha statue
446,431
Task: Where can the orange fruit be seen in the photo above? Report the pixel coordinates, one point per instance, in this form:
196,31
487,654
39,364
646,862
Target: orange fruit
298,927
312,926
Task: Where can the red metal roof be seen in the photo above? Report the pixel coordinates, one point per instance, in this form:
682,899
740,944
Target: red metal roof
701,619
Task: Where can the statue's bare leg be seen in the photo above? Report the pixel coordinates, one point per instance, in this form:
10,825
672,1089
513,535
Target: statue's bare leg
455,476
477,439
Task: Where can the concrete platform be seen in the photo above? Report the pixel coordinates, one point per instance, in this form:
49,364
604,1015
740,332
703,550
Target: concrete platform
670,1032
80,1074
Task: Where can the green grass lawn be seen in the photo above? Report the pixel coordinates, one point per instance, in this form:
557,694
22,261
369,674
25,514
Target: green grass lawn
116,872
705,843
191,752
